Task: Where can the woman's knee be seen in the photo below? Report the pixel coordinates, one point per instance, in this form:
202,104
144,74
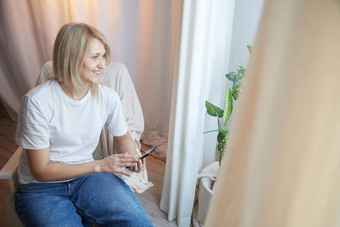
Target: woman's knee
140,218
130,219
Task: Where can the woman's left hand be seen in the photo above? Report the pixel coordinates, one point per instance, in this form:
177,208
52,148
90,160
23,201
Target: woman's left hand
125,144
138,166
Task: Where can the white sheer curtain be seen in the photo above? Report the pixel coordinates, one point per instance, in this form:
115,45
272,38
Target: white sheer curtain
283,162
139,33
202,57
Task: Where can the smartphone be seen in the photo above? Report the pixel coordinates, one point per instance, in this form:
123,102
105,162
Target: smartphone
148,153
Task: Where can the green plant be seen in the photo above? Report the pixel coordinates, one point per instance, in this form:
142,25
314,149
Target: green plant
224,114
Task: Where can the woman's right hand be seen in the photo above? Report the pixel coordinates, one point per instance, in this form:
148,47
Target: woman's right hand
115,163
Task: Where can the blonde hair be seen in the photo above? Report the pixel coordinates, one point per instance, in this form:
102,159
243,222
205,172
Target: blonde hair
69,50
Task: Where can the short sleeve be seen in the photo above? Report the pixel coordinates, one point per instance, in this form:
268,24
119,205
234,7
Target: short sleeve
115,122
32,127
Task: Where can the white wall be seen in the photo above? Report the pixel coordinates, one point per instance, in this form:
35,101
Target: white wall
246,19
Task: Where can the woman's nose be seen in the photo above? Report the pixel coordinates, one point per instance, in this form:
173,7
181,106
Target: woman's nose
101,63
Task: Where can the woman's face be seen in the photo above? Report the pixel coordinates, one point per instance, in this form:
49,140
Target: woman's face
94,62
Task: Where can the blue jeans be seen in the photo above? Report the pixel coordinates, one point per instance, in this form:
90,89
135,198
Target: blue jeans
99,198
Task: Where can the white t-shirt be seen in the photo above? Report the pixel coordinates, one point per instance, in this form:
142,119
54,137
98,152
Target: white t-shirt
70,128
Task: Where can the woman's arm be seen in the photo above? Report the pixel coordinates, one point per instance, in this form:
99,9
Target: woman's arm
44,170
125,145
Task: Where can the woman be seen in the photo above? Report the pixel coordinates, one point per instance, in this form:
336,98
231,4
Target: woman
59,126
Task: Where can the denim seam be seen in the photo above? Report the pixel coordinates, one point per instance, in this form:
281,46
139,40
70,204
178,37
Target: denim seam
79,208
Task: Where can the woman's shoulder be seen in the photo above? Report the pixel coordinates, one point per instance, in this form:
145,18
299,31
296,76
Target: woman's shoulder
41,93
39,100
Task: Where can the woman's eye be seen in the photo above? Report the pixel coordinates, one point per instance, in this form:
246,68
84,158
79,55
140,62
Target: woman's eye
94,57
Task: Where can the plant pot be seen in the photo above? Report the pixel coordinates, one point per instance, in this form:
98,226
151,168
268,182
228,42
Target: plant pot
204,196
205,191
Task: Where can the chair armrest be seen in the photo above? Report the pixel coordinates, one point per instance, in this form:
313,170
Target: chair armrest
8,172
11,165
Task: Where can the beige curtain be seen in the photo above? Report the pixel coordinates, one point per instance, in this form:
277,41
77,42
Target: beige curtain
283,160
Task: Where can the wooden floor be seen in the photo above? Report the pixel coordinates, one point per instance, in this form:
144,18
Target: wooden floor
149,199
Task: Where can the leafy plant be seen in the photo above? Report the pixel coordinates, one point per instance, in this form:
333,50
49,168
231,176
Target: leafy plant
223,115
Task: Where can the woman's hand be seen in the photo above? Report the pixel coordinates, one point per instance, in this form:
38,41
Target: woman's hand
125,144
116,162
139,167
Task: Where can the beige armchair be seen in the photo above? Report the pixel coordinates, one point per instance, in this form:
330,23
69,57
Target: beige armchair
117,77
